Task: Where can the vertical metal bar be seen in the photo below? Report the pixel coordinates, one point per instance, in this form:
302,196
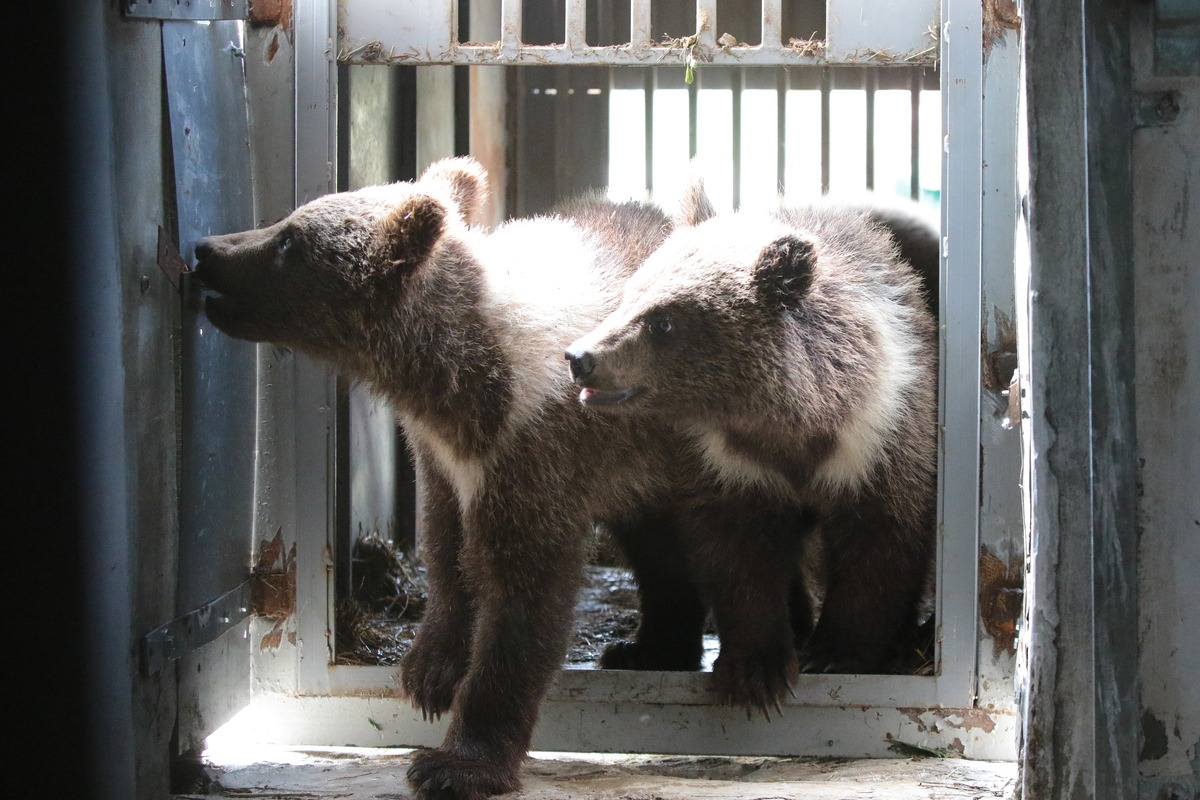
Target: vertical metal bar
651,80
1001,523
706,23
872,79
576,24
959,384
640,33
914,88
693,97
1082,705
489,104
115,750
772,24
781,89
563,168
735,86
510,25
826,82
316,390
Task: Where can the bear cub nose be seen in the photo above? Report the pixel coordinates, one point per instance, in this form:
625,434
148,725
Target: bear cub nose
582,364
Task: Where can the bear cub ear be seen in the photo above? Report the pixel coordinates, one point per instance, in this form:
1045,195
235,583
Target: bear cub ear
694,206
409,232
464,182
783,272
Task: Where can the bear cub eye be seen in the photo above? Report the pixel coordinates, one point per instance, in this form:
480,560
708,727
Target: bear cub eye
659,325
285,242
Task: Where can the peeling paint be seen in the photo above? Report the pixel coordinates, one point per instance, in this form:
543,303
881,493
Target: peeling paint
1154,737
967,719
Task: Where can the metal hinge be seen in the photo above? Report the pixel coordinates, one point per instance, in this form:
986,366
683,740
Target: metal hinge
198,627
269,592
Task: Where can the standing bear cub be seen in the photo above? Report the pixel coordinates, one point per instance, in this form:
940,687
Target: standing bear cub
797,351
463,331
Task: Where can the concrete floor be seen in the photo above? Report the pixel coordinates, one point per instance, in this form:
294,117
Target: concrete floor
281,773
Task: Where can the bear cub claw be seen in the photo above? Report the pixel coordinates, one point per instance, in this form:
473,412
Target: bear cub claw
441,775
429,677
757,680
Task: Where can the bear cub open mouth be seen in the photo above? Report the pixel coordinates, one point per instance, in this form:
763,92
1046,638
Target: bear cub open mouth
607,397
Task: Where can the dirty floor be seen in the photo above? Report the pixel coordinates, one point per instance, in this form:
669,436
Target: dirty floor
288,773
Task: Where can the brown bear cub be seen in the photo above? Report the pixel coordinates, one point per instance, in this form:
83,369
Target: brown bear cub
463,331
796,349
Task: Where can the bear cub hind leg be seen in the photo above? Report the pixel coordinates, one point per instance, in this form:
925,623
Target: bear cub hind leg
672,615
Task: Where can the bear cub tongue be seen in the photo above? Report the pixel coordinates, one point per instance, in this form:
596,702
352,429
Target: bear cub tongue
605,397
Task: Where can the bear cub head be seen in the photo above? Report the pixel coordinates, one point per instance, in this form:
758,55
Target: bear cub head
317,279
699,319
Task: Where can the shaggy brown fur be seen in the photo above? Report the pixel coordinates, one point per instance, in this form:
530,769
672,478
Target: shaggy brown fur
464,333
797,351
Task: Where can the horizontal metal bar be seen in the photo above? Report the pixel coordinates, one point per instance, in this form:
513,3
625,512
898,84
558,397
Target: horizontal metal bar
196,628
848,731
192,9
681,688
372,52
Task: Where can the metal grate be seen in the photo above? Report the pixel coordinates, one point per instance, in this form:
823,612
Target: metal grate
792,137
857,32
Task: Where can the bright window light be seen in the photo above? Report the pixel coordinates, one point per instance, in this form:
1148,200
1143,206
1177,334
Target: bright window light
802,161
626,144
759,148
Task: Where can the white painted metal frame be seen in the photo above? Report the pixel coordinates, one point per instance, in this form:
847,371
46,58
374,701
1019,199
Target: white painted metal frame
316,385
858,32
842,715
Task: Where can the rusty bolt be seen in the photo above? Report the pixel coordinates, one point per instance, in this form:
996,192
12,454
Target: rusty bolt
1166,108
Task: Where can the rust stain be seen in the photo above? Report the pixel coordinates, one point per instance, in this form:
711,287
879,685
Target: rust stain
273,48
270,553
1001,592
272,13
1000,356
999,17
273,593
272,640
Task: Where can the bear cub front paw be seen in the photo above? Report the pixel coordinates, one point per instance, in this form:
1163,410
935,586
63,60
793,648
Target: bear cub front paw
757,680
441,775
